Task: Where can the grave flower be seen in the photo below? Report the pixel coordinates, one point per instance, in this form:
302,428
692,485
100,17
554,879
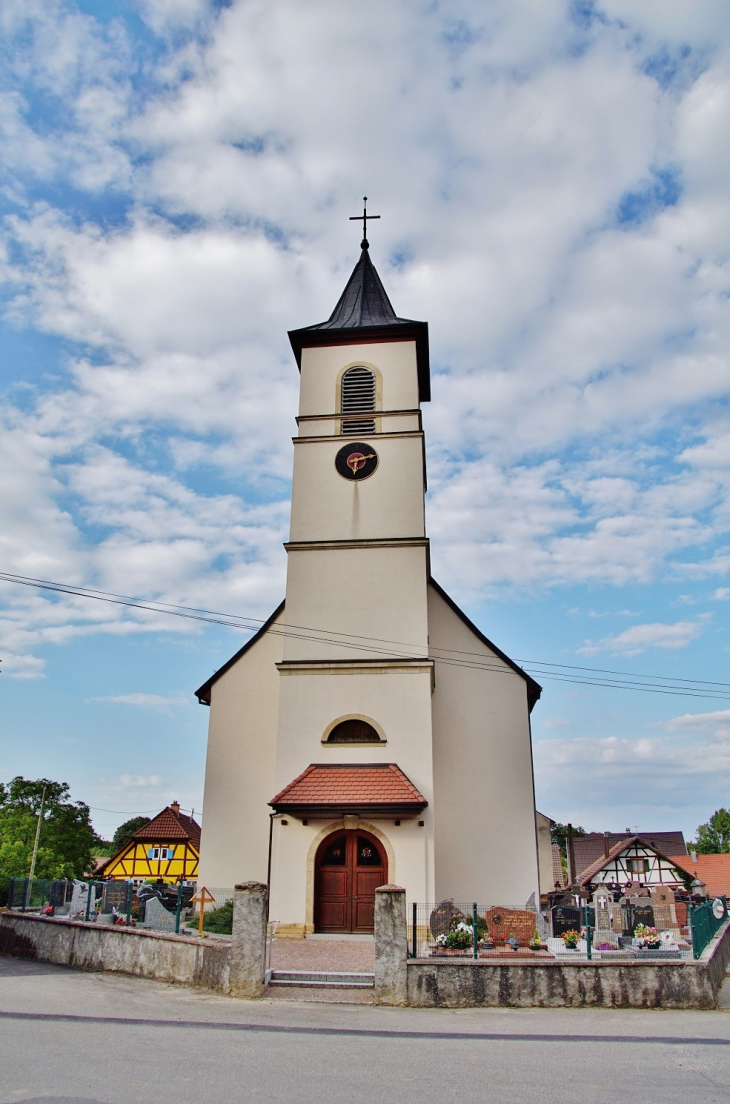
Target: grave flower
570,939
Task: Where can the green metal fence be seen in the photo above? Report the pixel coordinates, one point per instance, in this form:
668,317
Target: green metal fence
705,920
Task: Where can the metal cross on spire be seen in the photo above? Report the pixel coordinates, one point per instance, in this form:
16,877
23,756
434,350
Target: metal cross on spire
364,219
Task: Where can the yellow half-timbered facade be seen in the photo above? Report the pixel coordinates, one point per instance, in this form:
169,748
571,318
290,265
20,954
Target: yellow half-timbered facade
166,848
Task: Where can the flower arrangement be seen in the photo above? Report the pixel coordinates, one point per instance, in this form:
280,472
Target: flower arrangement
648,936
458,938
570,939
535,943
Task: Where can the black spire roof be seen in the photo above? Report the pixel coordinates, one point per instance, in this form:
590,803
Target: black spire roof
364,313
364,302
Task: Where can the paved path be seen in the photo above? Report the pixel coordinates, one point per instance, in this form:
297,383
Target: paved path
73,1038
350,956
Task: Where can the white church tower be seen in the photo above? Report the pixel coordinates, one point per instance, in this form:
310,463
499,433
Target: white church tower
368,733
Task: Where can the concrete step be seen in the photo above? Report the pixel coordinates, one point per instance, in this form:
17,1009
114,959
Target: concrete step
321,980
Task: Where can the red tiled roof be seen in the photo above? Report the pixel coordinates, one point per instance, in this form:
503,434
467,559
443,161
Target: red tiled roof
169,825
374,787
713,870
586,875
591,847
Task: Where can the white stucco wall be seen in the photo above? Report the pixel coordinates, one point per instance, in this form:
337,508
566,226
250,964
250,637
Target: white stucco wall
388,503
544,853
362,591
322,366
240,767
484,808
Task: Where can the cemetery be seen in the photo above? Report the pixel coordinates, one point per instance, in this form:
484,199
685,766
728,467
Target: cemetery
643,951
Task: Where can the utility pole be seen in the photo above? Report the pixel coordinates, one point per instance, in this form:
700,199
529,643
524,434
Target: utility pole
37,838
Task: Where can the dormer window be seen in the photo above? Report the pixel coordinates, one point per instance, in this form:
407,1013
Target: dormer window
358,398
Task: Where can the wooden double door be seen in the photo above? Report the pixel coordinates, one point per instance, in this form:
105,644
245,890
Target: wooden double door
349,867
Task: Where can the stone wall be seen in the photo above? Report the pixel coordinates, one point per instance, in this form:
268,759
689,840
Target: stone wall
176,958
545,983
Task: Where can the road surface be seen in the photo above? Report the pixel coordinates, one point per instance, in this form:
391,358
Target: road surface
81,1038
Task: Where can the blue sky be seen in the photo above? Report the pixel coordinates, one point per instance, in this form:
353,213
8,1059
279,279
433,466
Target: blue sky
176,181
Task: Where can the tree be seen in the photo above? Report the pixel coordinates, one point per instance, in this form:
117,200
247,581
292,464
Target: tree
66,839
713,838
125,832
559,833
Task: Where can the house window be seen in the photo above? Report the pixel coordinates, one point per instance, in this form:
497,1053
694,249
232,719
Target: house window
354,731
638,866
357,398
160,852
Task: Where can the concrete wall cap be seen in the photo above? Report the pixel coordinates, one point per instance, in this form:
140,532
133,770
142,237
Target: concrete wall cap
250,887
390,889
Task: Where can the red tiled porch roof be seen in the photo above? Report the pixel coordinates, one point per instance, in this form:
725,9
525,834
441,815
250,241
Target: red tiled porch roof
374,788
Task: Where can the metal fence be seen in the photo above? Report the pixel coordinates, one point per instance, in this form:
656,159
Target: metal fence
119,902
466,929
705,920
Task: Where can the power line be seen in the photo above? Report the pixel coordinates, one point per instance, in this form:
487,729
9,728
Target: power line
554,672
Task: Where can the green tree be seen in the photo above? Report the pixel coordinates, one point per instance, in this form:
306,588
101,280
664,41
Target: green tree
713,838
66,840
125,832
559,834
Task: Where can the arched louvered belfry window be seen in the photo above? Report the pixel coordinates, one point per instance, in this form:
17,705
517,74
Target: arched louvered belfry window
358,399
354,731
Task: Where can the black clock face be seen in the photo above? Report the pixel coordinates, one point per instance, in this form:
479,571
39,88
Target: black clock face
356,461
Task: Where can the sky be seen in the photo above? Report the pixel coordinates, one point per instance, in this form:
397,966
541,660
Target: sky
176,179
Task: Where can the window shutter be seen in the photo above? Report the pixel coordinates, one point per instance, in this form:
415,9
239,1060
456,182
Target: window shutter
358,397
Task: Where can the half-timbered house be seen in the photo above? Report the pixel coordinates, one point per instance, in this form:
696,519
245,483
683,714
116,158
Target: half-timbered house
633,864
166,848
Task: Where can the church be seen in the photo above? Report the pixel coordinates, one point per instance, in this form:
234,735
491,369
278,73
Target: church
369,732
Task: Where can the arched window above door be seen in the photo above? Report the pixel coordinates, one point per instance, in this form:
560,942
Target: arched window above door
354,731
357,398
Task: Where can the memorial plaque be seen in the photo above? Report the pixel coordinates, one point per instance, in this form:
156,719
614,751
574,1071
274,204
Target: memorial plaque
643,914
114,897
565,918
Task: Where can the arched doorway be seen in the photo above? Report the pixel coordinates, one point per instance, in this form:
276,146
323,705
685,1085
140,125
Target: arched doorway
348,868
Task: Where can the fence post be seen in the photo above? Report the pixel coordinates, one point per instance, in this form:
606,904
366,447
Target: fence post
391,946
588,933
474,934
415,930
247,974
89,891
178,909
130,895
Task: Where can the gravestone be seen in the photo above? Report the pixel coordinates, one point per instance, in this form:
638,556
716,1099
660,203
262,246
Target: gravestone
565,918
442,916
643,913
57,893
665,913
79,897
156,916
114,897
504,922
602,905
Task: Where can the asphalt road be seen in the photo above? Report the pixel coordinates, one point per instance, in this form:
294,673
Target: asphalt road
105,1039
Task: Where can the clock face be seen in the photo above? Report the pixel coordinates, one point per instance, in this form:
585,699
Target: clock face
356,461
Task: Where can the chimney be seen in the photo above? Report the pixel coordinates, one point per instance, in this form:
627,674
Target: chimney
693,856
175,806
606,845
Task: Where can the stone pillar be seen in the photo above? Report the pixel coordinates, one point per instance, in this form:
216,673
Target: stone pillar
248,943
391,946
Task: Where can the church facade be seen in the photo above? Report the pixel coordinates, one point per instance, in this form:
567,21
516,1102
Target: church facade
369,733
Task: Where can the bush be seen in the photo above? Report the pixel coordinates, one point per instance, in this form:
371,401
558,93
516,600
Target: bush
218,920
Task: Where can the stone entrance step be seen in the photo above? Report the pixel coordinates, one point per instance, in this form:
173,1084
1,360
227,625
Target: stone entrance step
312,979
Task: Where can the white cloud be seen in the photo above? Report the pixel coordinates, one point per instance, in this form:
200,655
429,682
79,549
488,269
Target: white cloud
557,332
146,701
722,594
641,637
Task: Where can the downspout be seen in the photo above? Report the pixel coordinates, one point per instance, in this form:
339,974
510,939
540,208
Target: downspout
268,867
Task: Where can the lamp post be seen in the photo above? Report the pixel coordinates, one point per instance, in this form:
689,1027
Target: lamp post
29,890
